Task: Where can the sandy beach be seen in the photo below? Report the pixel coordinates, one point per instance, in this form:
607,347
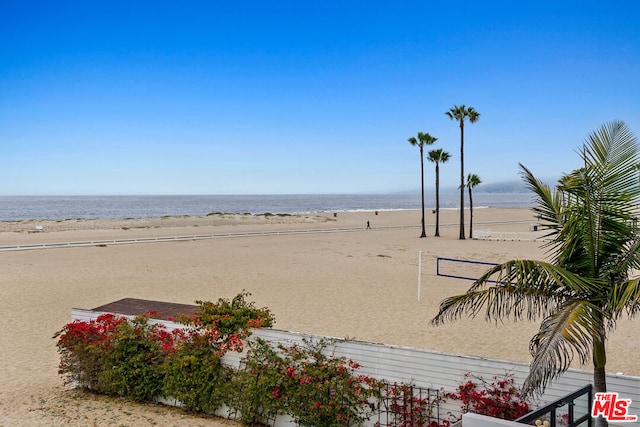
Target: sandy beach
353,283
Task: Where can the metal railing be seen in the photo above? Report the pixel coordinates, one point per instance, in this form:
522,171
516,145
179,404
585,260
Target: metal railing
406,405
568,411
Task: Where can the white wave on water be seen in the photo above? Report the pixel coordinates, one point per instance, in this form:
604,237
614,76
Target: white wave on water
18,208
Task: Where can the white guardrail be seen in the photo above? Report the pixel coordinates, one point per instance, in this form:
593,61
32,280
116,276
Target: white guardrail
30,246
508,235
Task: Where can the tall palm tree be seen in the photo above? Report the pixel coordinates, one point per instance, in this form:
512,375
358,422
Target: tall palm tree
472,181
462,113
586,286
423,139
438,156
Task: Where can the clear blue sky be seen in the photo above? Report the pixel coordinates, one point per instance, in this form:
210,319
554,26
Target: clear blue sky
257,97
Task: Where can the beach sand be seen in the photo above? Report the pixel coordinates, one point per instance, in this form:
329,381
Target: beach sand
360,284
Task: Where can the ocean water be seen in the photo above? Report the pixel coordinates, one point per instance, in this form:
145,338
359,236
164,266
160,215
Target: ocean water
17,208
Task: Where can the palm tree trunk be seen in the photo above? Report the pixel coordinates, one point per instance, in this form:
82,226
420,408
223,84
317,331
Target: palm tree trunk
437,200
599,374
470,214
600,386
461,180
424,234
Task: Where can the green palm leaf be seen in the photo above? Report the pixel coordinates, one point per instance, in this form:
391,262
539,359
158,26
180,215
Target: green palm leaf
624,297
562,335
524,289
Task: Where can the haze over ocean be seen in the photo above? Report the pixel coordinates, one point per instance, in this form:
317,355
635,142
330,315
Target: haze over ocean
17,208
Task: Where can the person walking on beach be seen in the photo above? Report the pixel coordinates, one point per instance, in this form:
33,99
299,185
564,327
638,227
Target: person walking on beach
368,225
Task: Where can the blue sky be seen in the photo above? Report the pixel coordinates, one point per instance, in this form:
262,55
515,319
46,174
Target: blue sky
255,97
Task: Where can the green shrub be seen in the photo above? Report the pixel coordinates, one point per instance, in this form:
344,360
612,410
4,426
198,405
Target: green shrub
113,355
141,361
133,361
228,321
324,391
81,346
258,386
301,381
194,375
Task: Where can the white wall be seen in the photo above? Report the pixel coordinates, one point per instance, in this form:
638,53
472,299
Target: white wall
475,420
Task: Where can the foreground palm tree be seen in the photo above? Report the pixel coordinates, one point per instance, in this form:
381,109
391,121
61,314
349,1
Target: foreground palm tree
472,181
438,156
423,139
586,285
462,113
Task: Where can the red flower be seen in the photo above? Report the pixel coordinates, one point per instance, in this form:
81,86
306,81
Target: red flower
275,393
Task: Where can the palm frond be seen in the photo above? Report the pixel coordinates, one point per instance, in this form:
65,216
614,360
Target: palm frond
460,113
438,156
629,258
623,297
530,274
591,215
548,203
611,155
609,190
524,289
473,180
563,335
473,115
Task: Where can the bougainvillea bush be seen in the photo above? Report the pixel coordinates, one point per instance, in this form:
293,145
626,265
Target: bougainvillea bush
114,355
315,389
325,390
499,398
194,372
195,375
132,360
82,346
143,361
228,322
258,393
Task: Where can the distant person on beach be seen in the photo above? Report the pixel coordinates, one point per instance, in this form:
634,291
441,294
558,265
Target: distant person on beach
368,225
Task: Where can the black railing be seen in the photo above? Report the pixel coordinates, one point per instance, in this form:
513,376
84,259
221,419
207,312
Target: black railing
568,411
406,405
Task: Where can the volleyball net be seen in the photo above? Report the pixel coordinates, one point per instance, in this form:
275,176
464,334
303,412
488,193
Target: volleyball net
462,268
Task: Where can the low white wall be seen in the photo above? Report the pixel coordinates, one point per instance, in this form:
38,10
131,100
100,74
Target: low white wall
475,420
430,369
